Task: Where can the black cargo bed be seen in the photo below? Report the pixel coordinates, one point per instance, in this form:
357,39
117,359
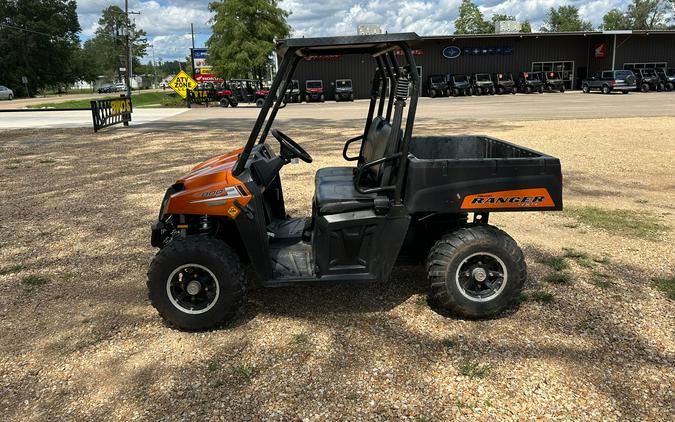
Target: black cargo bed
479,174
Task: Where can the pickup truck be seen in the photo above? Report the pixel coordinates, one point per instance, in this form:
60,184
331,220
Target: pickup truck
610,80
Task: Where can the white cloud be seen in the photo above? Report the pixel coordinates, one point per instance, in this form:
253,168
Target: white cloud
167,22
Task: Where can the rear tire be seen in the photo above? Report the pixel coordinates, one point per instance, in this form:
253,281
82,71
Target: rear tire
500,90
484,253
259,102
455,92
528,89
541,90
586,89
224,102
606,89
562,89
644,87
669,86
322,99
209,263
10,97
432,93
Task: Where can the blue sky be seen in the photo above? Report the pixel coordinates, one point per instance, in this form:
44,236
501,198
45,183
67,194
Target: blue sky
167,22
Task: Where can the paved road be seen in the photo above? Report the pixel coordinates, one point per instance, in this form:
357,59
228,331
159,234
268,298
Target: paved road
570,105
23,102
77,119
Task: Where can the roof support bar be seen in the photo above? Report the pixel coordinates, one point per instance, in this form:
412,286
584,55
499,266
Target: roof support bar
393,71
280,99
414,94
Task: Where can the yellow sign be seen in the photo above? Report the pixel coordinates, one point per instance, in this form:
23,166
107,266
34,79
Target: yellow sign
182,83
120,107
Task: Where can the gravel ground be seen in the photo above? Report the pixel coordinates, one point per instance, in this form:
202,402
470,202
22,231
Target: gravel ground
80,340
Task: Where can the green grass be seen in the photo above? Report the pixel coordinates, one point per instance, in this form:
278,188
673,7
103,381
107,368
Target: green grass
541,296
586,263
300,338
474,370
34,280
574,253
11,269
448,343
558,277
146,99
245,371
666,285
557,263
627,223
601,280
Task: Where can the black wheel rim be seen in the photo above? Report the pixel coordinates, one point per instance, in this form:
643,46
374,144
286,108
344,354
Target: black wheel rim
481,277
192,289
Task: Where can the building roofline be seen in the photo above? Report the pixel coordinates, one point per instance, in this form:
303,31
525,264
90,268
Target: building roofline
547,34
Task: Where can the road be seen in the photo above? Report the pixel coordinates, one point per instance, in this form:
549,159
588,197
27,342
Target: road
24,102
521,107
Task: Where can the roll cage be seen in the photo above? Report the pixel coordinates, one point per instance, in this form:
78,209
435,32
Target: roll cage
382,48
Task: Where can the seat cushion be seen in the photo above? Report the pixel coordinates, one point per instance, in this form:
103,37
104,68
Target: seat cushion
336,196
327,174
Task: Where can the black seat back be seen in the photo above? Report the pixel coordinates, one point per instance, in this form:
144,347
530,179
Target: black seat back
375,146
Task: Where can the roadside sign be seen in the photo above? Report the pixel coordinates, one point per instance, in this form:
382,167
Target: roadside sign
24,80
182,83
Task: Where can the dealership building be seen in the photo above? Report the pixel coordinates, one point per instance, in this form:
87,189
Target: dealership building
575,54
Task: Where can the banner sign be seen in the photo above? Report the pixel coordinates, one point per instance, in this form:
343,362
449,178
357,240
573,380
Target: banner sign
415,52
484,51
203,71
452,52
111,112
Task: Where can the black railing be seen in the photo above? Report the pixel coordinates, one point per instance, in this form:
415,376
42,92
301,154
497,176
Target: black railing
111,112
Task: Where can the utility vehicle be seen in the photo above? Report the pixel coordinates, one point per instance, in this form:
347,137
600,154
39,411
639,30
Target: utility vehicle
421,199
459,85
314,91
481,83
529,82
344,90
437,85
504,83
667,77
553,81
610,80
225,96
647,80
293,91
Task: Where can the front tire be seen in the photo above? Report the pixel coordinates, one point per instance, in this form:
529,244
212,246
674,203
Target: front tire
586,89
476,272
196,283
606,89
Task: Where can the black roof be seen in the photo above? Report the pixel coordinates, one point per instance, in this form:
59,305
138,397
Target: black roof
351,44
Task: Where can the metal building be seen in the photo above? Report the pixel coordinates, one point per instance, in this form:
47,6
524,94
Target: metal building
576,54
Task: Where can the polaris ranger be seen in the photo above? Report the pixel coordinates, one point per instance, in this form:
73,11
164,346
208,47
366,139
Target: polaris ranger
424,199
667,77
437,85
459,85
293,91
344,90
314,91
481,84
647,79
504,83
225,96
553,81
529,82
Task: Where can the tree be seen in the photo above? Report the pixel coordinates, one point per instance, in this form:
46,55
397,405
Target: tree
38,39
470,20
526,27
243,36
565,19
615,19
649,14
110,42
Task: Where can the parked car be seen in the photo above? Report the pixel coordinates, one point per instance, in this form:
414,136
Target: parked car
610,80
647,80
482,84
105,89
344,90
119,87
6,93
314,90
529,82
293,92
504,83
667,77
437,85
459,85
553,81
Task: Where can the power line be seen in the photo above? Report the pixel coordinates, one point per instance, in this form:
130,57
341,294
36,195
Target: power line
27,30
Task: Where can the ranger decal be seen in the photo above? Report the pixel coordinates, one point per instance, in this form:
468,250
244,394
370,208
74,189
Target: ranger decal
520,198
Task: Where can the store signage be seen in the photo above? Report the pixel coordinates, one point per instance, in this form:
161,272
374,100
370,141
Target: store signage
452,52
415,52
203,71
485,51
600,50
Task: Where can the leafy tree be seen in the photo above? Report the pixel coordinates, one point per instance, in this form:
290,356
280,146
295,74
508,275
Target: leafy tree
565,19
470,20
110,41
243,36
526,27
615,19
649,14
38,39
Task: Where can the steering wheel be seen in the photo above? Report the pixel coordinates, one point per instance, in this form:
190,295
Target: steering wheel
295,149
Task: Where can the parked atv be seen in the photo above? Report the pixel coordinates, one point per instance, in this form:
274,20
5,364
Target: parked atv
667,77
529,82
344,90
225,96
437,85
553,81
314,91
459,85
481,84
647,80
293,92
504,83
424,199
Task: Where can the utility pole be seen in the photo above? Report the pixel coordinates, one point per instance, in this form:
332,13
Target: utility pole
192,51
154,70
126,24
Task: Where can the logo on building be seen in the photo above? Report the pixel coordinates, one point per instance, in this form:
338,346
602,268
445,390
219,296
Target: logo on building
600,50
452,52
